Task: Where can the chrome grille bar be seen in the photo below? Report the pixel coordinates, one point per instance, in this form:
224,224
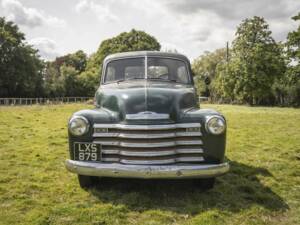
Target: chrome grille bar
152,144
153,162
148,135
151,153
148,127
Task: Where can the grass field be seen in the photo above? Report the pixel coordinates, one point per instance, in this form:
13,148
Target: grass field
263,186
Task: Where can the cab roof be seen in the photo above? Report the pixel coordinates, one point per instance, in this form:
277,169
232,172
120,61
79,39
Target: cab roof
143,54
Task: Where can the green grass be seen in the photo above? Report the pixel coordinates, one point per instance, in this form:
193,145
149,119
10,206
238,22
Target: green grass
263,186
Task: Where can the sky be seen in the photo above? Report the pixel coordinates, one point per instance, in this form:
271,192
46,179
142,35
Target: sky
59,27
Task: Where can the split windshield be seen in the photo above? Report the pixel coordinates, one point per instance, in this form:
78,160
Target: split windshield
164,69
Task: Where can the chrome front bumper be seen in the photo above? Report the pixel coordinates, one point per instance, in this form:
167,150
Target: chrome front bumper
146,171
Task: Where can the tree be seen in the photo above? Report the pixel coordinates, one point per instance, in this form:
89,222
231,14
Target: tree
205,69
62,75
256,62
88,83
77,60
20,66
76,75
53,81
124,42
291,85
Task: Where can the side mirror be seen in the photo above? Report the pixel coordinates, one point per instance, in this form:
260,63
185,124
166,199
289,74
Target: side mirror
207,80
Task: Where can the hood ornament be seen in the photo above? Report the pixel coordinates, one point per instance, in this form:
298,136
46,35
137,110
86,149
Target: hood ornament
147,115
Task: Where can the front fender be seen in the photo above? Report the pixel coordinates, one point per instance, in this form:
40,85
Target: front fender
93,116
214,145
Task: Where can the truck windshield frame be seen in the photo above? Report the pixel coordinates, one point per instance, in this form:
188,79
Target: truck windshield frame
157,68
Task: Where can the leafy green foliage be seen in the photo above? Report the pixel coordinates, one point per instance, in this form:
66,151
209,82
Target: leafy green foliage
262,187
20,66
62,76
254,71
259,70
293,42
256,62
81,75
291,91
124,42
23,74
88,82
205,70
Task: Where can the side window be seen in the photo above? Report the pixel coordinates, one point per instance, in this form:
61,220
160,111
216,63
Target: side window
110,74
182,75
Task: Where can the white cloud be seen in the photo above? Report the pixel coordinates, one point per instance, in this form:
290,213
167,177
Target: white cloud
101,10
31,17
189,26
280,28
203,25
235,9
82,6
47,47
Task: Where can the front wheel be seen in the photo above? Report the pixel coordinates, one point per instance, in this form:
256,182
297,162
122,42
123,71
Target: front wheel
85,181
206,183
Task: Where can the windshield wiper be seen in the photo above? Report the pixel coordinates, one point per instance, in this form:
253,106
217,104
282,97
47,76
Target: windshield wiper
132,78
135,78
120,80
158,78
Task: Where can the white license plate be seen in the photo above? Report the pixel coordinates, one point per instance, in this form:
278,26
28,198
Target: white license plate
84,151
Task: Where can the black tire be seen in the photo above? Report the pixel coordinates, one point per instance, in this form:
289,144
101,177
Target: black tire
206,183
85,181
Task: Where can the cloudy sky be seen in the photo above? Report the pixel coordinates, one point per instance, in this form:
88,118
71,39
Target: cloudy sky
58,27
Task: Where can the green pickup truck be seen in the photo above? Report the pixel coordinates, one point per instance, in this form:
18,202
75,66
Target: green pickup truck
147,124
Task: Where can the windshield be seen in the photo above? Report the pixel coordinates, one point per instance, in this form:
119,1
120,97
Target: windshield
158,68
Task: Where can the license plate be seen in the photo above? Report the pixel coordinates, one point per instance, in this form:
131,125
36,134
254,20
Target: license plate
87,151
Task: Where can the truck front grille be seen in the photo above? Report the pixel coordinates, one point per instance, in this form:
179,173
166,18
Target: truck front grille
149,144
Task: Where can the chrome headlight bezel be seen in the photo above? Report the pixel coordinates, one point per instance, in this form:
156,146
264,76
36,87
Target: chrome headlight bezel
84,120
212,119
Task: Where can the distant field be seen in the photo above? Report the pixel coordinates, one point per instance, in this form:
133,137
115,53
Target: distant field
263,186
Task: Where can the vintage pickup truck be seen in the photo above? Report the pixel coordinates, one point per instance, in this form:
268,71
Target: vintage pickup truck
147,124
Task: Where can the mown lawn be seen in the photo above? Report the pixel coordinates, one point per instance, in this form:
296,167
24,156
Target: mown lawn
263,186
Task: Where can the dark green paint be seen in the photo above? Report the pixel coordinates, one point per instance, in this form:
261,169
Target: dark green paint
115,100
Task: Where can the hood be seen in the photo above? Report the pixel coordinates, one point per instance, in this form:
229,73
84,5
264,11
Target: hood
146,99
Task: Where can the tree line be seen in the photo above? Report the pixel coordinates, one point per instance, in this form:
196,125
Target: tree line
254,70
24,74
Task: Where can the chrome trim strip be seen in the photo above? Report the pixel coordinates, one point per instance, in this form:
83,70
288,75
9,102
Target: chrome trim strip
147,115
150,153
148,127
146,66
148,145
161,161
110,160
150,135
147,171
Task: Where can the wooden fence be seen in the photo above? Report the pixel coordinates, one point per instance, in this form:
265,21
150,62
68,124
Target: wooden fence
57,100
203,99
32,101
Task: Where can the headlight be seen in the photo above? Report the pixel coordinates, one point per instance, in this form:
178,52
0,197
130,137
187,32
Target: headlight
78,125
215,125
